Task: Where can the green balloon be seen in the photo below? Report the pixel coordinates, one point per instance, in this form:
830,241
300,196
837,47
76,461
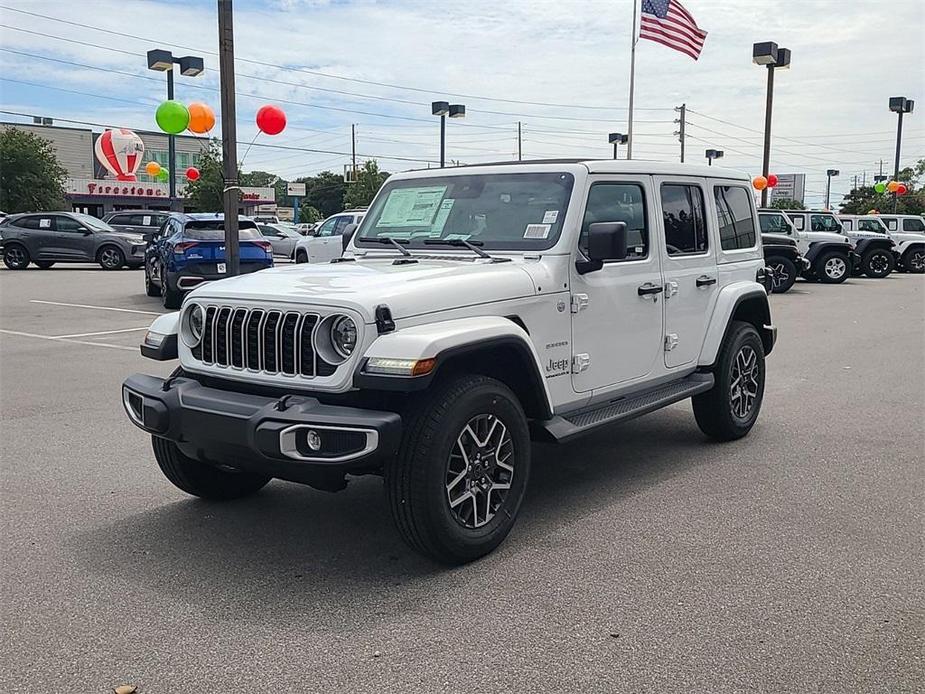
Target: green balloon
163,176
880,187
172,117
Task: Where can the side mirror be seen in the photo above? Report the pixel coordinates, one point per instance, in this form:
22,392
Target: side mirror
606,241
348,234
149,236
85,231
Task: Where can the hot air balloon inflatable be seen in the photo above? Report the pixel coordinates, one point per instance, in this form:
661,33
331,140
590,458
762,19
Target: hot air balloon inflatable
120,152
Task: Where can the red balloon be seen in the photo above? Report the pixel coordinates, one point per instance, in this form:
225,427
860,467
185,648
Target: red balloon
192,173
772,180
901,189
271,119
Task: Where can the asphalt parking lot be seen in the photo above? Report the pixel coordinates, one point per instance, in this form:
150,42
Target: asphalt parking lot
646,558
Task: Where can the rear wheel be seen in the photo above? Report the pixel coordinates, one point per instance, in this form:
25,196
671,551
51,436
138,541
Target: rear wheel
172,297
730,408
914,260
203,480
459,478
44,264
16,257
785,274
110,258
877,263
832,267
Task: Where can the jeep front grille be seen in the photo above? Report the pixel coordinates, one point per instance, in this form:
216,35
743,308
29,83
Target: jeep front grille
273,342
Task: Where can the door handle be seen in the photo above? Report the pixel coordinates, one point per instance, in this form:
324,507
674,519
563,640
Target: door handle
704,281
649,288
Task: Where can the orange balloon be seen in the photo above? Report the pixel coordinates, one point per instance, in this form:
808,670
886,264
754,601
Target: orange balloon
892,186
201,118
760,182
153,168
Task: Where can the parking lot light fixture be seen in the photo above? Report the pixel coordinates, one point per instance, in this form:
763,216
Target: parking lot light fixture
444,109
617,139
161,60
828,184
712,154
899,105
771,56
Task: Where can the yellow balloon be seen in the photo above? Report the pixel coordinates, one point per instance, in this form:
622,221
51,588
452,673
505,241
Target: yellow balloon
153,168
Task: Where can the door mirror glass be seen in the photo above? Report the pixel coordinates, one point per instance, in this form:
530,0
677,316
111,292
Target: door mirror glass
149,236
607,241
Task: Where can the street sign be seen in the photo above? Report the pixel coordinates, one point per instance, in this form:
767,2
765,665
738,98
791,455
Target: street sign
295,190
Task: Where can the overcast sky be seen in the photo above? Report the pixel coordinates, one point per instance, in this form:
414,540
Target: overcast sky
849,57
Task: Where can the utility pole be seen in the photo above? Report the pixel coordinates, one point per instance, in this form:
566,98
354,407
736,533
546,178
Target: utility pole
353,144
520,152
232,189
682,109
855,181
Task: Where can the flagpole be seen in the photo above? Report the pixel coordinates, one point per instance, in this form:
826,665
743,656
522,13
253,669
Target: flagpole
629,130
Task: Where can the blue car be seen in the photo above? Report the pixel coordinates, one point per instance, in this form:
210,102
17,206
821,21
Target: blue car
189,249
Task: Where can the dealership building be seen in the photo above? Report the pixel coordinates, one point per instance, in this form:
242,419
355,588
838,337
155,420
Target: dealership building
91,189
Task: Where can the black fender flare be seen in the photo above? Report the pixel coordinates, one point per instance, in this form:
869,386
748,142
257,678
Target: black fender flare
819,247
864,246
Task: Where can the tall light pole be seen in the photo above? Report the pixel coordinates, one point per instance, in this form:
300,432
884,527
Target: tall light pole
191,66
617,139
712,154
899,105
828,185
444,109
772,57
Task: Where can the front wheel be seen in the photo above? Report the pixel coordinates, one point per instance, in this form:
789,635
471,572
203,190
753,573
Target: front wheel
730,408
461,472
832,267
877,263
914,260
110,258
785,274
301,257
151,289
203,480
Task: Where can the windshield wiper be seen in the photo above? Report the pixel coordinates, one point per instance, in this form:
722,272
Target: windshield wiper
395,242
462,243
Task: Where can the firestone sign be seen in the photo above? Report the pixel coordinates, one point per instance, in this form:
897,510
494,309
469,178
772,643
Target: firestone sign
95,187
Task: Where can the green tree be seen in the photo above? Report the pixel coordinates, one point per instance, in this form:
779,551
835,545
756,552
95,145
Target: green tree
369,181
309,214
863,199
31,179
205,193
787,204
324,192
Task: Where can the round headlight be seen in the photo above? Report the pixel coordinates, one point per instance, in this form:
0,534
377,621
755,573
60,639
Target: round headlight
344,336
193,320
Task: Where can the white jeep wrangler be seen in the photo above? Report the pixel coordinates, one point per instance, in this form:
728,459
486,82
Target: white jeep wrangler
475,308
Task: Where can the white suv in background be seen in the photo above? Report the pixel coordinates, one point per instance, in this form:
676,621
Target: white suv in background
328,240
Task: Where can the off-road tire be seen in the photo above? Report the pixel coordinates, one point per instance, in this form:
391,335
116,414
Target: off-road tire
786,266
877,263
110,257
15,256
819,267
415,480
714,409
200,479
43,264
914,260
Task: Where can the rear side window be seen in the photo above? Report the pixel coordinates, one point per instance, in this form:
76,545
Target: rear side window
734,213
913,225
684,219
848,224
121,219
34,223
618,202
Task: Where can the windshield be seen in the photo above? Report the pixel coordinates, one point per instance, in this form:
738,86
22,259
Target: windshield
518,211
824,222
92,222
774,224
214,230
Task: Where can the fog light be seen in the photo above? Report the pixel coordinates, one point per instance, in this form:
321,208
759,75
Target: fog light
313,439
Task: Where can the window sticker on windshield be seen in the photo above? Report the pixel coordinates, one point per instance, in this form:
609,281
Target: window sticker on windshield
44,224
537,231
411,207
550,217
442,214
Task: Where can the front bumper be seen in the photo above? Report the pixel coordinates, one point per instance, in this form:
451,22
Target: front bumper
267,435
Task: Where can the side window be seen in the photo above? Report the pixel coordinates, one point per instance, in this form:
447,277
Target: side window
267,230
328,227
867,225
342,223
684,219
29,223
848,224
67,224
734,212
618,202
891,224
913,225
120,219
799,222
773,224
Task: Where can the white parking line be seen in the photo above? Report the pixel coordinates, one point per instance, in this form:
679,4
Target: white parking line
100,308
101,332
63,339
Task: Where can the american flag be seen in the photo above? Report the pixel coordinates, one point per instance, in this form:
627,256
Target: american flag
668,23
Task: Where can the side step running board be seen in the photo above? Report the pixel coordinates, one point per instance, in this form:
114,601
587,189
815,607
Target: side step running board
566,426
